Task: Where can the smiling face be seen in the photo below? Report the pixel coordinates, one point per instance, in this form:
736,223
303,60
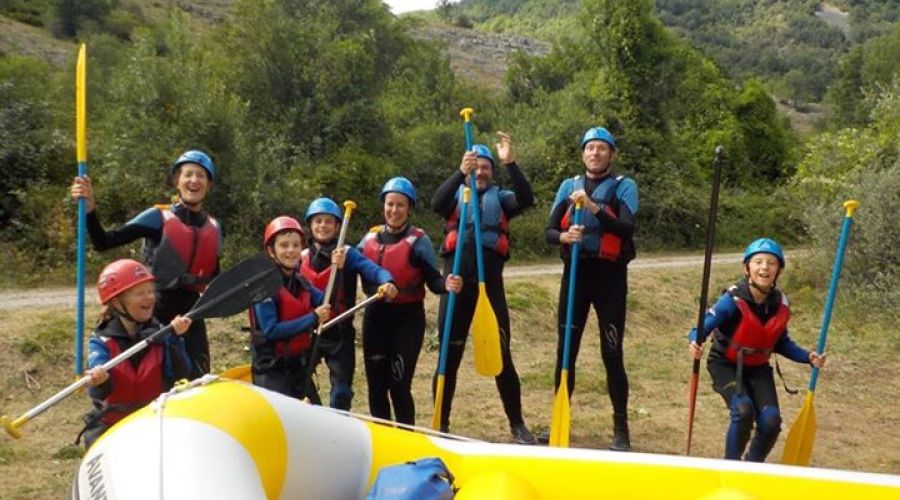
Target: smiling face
138,301
396,210
192,183
324,227
763,269
286,249
597,157
484,174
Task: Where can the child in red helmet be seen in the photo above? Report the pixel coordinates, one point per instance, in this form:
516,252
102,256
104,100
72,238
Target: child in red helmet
748,324
282,324
128,296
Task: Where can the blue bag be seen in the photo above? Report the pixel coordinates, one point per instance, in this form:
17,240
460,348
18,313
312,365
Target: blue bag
424,479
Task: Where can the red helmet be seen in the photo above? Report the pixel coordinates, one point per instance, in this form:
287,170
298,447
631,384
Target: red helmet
120,276
279,224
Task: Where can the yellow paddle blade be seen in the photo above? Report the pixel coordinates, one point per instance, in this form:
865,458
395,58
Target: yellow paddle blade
241,372
81,105
799,444
438,403
486,336
562,414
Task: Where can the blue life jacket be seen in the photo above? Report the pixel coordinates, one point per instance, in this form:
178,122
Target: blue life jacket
494,224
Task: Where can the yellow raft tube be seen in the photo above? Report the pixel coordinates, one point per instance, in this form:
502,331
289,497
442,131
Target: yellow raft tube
225,439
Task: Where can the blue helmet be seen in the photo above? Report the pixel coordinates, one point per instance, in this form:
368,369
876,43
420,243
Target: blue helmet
764,245
324,206
400,185
598,134
198,157
483,151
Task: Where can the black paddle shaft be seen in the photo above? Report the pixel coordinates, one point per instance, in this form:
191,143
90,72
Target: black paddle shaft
710,242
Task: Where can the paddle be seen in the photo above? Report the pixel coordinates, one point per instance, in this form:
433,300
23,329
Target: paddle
559,424
799,444
704,290
81,157
448,318
349,207
485,329
251,281
242,372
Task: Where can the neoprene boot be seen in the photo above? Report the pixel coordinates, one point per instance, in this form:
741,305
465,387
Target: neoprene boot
621,440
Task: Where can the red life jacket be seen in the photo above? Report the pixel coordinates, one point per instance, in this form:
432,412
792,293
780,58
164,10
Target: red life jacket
319,279
133,387
290,307
609,245
397,259
198,248
756,338
494,224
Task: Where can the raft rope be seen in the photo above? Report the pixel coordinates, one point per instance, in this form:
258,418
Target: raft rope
159,407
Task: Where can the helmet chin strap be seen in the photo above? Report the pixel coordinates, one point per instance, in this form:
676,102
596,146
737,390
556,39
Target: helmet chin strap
123,312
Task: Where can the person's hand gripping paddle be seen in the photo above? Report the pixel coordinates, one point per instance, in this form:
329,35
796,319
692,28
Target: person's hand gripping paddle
562,414
485,328
253,280
799,444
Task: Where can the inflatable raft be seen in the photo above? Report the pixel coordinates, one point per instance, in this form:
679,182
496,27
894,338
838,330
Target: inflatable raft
225,439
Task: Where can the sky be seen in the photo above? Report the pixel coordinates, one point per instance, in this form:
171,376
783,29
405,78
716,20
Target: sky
401,6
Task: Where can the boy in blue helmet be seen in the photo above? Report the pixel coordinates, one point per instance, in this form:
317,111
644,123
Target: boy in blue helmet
182,244
393,330
610,206
749,323
336,345
498,206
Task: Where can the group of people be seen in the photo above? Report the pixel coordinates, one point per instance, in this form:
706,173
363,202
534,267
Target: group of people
398,261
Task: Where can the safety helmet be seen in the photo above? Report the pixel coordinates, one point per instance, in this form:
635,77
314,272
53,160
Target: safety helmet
764,245
120,276
400,185
198,157
598,134
281,224
323,206
483,151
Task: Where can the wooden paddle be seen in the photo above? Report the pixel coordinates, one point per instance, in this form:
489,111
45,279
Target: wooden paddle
485,328
799,444
81,157
562,414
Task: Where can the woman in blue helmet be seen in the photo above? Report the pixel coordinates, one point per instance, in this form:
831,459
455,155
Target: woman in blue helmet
748,324
393,330
182,244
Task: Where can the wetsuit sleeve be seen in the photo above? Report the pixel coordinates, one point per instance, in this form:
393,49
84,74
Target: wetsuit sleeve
521,197
362,265
424,258
554,224
272,329
444,200
716,316
147,224
176,363
789,349
623,225
98,354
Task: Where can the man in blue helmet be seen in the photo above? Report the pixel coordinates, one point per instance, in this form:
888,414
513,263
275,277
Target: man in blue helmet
610,204
393,330
182,244
749,323
336,345
497,207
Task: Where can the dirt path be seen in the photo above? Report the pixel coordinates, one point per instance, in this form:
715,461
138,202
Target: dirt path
65,297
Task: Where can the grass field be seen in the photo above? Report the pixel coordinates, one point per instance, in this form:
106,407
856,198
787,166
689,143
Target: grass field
857,406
